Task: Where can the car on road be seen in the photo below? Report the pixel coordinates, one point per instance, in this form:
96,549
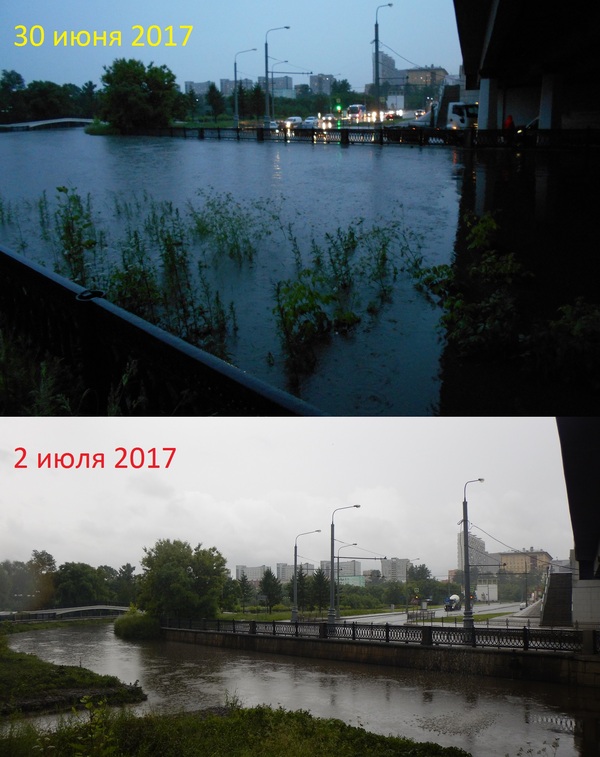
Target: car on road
310,122
293,122
328,121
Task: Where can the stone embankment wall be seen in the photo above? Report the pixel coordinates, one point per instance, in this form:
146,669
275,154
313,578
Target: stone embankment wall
551,667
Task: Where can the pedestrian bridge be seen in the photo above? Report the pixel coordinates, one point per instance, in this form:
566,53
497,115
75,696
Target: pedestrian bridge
65,613
53,123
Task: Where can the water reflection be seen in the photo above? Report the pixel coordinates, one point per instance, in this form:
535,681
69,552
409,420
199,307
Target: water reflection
484,716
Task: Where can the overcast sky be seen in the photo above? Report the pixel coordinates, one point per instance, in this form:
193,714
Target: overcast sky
249,486
332,37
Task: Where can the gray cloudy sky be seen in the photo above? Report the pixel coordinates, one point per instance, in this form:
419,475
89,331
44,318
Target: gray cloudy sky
249,486
332,37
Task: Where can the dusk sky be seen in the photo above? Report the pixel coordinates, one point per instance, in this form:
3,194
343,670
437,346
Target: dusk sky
333,37
249,486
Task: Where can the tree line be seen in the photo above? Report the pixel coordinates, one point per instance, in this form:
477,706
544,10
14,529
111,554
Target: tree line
180,580
136,96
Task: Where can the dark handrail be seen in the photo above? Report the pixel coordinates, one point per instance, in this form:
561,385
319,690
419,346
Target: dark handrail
526,639
171,376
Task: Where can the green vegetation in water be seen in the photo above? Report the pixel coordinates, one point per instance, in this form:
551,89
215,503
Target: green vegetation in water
230,731
136,625
491,312
29,684
164,265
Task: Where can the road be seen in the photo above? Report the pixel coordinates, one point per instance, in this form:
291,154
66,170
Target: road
398,618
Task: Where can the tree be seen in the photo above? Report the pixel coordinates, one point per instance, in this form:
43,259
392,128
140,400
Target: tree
270,586
17,585
319,589
88,100
301,587
126,585
215,100
138,97
394,593
11,83
231,595
179,580
42,567
246,590
79,584
256,101
45,99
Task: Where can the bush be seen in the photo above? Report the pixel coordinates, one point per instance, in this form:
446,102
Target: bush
137,625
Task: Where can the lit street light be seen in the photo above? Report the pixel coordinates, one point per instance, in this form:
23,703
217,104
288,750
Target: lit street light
331,613
387,5
267,109
295,607
236,115
468,616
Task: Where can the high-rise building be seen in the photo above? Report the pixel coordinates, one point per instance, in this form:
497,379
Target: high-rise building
347,567
395,568
285,572
227,86
253,574
198,87
320,84
478,557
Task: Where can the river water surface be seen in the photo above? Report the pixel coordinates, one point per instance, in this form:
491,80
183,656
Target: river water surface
486,717
293,199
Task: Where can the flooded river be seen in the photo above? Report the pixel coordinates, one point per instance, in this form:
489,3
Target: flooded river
486,717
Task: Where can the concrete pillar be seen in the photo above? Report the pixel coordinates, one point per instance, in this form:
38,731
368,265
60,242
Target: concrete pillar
488,105
550,102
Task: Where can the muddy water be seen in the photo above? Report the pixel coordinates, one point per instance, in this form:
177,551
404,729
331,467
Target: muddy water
486,717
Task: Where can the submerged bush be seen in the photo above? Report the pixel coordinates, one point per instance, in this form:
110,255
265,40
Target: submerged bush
137,625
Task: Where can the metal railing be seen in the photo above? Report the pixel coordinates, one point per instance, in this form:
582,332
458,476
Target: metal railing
526,639
167,375
390,135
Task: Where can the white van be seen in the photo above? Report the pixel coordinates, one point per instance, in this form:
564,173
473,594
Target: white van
293,122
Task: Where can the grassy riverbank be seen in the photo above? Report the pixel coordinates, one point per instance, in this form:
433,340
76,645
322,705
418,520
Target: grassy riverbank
230,732
28,684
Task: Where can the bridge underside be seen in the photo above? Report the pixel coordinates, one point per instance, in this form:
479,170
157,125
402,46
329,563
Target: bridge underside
580,445
520,42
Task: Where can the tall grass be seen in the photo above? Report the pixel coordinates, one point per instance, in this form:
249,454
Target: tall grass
164,263
227,731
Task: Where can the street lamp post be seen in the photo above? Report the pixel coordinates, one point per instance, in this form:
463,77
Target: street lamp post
267,109
277,63
295,607
348,544
468,615
236,115
387,5
331,613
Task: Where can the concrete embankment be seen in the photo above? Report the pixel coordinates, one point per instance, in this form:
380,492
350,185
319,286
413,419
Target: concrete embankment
551,667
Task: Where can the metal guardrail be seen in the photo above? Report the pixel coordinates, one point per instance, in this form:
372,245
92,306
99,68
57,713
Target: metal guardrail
526,639
169,376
